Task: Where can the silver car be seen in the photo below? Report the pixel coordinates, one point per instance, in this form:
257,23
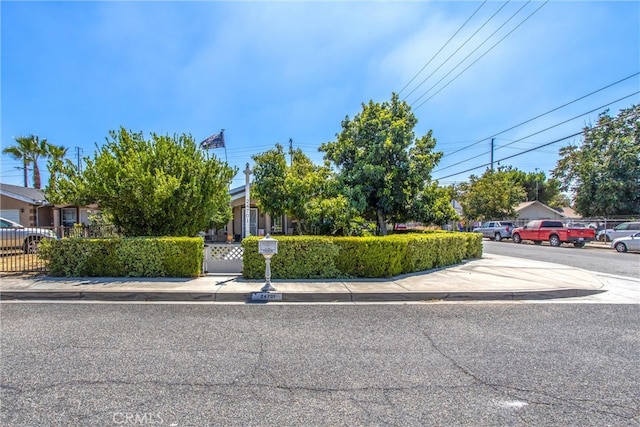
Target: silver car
15,236
628,243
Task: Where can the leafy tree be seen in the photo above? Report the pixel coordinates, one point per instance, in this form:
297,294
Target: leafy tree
603,173
494,195
304,191
55,164
269,178
535,185
29,149
159,187
433,206
380,162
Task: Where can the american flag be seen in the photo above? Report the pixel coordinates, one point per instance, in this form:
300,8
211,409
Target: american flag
214,141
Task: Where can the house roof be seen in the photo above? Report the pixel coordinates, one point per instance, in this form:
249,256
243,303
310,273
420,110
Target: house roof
25,194
569,212
522,206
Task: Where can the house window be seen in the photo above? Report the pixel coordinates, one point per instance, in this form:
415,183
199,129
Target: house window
69,217
276,224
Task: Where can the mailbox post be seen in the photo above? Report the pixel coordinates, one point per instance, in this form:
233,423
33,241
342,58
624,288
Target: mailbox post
268,247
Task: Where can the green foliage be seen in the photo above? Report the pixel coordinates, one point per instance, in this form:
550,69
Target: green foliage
371,256
159,187
304,257
604,172
433,206
123,257
305,192
382,166
269,181
299,257
55,165
494,195
535,185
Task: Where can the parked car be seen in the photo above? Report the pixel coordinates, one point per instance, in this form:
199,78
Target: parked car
622,230
15,236
627,243
496,230
554,232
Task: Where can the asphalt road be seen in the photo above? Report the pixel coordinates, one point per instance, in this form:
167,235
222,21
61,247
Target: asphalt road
69,364
606,261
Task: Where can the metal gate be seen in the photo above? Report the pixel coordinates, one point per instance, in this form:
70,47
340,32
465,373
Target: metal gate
223,258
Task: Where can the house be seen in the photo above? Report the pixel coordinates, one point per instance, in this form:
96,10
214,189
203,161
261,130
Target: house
260,223
26,206
528,211
29,207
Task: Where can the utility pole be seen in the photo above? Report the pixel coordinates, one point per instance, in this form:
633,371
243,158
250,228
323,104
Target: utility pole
492,139
25,168
290,152
536,184
79,159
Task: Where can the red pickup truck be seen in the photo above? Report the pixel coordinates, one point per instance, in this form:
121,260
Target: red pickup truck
554,232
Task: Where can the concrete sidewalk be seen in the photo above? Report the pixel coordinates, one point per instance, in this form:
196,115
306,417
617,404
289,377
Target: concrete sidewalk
493,277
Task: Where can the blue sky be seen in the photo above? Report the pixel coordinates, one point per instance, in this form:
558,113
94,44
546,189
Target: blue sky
269,71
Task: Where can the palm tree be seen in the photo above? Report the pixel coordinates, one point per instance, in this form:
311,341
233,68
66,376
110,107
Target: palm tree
29,149
22,151
55,163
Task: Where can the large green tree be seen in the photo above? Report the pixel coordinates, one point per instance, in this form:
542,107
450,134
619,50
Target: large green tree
433,205
603,173
29,149
163,186
380,162
494,195
55,164
535,184
304,191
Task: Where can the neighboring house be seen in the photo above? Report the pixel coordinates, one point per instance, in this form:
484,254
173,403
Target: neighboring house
29,207
529,211
26,206
569,213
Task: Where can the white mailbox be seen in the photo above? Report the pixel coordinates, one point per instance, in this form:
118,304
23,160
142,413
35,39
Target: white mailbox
267,247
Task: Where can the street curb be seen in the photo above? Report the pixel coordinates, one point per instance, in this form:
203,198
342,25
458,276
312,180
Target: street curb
299,296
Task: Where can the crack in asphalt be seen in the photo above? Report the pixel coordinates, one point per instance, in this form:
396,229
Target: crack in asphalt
573,402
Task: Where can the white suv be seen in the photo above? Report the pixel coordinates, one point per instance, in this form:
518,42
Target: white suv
622,230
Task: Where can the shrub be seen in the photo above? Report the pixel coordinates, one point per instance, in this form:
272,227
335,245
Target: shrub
306,257
124,257
299,257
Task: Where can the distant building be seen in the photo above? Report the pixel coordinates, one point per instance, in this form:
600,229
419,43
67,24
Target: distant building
529,211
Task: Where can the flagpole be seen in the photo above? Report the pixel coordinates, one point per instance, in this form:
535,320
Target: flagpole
225,147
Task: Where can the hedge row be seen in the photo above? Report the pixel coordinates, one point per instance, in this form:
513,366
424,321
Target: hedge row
124,257
313,257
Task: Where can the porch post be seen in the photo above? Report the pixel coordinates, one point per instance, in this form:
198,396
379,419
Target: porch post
247,203
267,223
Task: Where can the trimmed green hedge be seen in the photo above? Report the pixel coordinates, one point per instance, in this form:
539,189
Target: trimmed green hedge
314,257
124,257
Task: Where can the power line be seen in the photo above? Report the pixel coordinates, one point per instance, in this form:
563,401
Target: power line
512,156
443,46
543,114
481,56
536,133
458,49
473,51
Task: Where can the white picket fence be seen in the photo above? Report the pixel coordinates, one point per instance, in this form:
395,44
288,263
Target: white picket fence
222,258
